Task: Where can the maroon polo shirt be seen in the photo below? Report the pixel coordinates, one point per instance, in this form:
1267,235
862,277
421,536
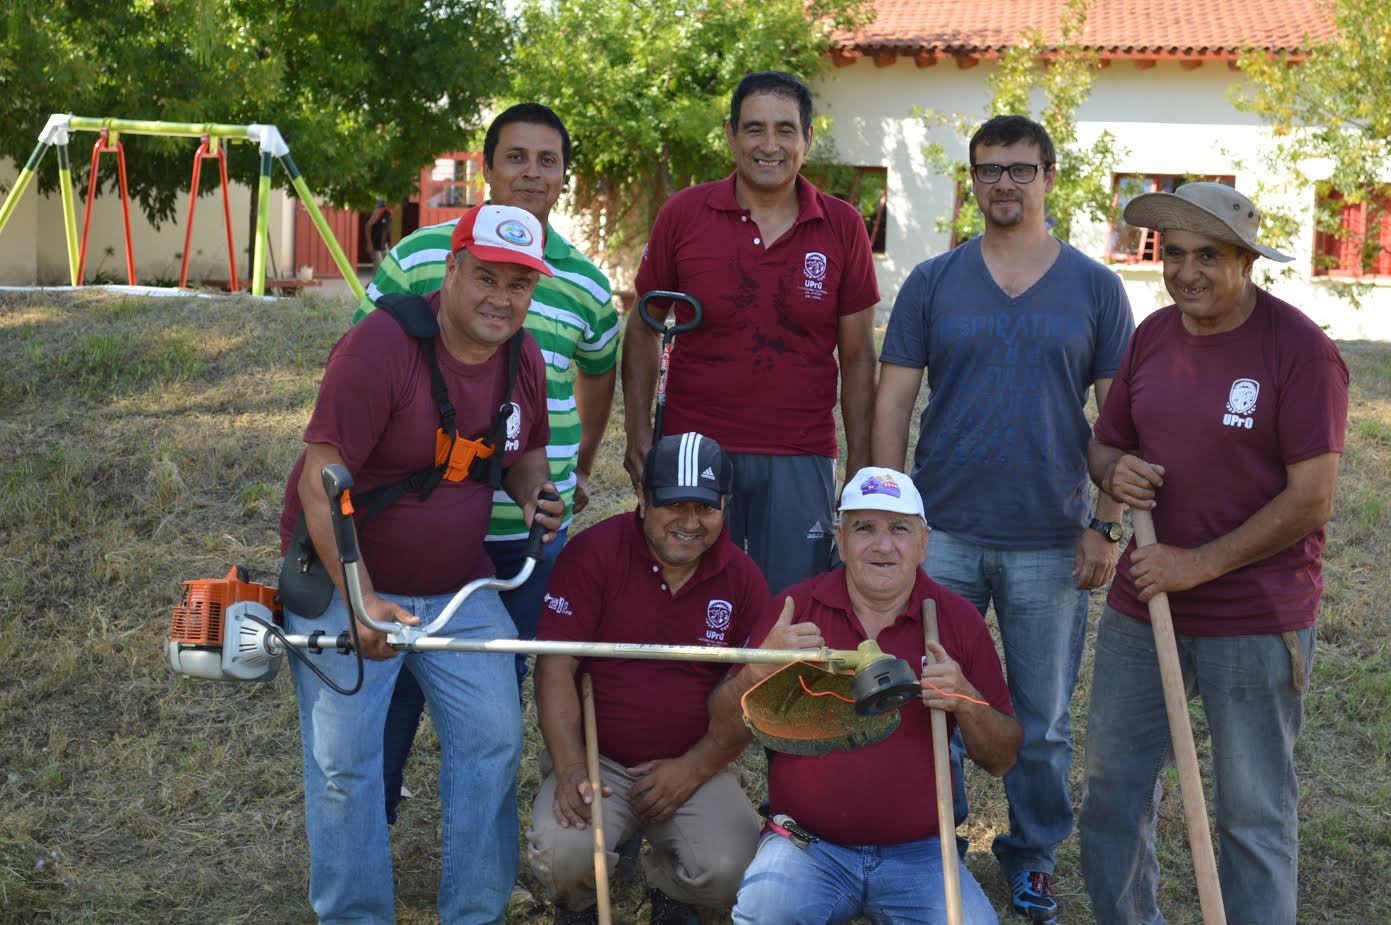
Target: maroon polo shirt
607,587
1225,415
882,794
375,408
760,373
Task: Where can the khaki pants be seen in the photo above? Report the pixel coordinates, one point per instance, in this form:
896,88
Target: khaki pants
698,856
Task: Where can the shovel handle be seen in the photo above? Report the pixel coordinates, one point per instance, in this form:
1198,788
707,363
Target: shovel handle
1181,733
596,809
946,816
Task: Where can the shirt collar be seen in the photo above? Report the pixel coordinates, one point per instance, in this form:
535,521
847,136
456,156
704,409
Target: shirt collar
832,590
721,198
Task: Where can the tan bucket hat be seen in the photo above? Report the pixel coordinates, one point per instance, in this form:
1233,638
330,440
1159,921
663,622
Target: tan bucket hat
1212,209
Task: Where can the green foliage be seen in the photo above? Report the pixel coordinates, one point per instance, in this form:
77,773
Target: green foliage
1061,71
644,88
1327,108
365,92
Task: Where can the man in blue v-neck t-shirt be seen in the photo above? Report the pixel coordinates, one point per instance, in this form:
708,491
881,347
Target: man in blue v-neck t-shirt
1013,327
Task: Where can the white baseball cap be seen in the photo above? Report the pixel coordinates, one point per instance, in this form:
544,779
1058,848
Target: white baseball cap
501,234
875,488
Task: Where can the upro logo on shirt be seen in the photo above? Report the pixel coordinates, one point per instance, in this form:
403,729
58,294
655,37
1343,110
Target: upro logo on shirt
814,265
514,425
1241,402
559,604
718,613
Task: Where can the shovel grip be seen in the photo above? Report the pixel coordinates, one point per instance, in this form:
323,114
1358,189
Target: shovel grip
697,313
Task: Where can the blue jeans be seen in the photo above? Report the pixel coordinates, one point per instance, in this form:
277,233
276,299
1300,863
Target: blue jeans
408,701
473,698
1253,712
1043,627
825,883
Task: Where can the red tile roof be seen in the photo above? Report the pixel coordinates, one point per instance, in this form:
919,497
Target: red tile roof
1117,28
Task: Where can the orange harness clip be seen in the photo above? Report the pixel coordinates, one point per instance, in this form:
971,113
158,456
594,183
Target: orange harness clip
461,459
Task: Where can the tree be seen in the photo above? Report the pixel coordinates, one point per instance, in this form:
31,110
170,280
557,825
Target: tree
364,91
644,85
1063,72
1327,107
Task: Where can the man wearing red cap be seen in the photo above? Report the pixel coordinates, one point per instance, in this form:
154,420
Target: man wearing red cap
376,414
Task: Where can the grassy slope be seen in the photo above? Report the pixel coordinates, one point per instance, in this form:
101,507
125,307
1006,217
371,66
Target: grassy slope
146,442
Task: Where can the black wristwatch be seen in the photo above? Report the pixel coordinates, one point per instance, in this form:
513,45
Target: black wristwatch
1110,529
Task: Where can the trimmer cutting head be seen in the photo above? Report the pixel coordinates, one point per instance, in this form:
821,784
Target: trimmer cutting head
802,709
884,686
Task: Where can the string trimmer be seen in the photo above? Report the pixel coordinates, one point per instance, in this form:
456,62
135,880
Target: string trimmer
231,630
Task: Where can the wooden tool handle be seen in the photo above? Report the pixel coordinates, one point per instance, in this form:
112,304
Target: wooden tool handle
946,816
1181,733
596,809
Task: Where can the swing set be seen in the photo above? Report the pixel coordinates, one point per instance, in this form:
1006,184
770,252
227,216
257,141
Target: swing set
213,140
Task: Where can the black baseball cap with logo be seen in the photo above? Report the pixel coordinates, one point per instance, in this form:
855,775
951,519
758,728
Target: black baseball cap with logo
687,467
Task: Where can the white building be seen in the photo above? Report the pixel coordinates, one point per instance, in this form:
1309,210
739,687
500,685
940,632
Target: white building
1164,92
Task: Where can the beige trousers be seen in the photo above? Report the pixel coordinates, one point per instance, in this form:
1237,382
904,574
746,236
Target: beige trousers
697,856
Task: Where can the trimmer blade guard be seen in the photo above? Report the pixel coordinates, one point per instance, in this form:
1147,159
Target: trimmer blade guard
803,709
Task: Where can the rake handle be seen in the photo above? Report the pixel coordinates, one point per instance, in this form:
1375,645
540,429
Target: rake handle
946,834
596,809
1181,733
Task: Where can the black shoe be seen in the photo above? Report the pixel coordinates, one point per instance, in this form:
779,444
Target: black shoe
588,916
667,911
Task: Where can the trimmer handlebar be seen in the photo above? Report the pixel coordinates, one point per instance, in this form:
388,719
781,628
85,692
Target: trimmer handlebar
670,328
337,481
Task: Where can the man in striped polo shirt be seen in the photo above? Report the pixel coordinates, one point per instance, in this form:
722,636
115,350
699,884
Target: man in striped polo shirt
525,154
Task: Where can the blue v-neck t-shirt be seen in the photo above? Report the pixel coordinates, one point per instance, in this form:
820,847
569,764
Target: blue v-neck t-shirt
1001,455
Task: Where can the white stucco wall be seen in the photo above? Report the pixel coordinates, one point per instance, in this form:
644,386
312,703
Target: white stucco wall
1165,120
33,248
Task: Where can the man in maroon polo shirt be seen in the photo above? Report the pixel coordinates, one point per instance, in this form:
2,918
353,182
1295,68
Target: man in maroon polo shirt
665,574
1226,419
785,275
870,812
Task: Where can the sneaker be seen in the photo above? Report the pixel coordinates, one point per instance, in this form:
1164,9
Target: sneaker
588,916
667,911
521,896
1033,897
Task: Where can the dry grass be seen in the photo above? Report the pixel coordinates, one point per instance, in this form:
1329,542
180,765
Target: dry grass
146,442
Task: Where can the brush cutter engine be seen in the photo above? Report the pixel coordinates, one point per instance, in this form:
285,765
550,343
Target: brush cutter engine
220,632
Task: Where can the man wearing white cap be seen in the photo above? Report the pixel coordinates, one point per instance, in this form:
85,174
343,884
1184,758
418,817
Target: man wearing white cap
379,414
1226,419
856,832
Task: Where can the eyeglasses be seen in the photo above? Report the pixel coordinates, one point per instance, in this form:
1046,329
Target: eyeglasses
1019,173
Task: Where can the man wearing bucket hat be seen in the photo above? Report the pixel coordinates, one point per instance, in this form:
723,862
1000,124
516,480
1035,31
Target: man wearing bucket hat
1226,419
666,574
855,832
378,415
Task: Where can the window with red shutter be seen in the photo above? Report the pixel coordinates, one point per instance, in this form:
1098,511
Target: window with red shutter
1358,243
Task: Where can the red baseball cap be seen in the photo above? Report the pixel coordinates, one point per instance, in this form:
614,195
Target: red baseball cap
501,234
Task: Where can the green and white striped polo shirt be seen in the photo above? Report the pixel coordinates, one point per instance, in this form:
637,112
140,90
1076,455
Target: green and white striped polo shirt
572,317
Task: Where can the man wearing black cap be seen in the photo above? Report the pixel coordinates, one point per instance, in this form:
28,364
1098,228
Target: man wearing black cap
666,574
1226,420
